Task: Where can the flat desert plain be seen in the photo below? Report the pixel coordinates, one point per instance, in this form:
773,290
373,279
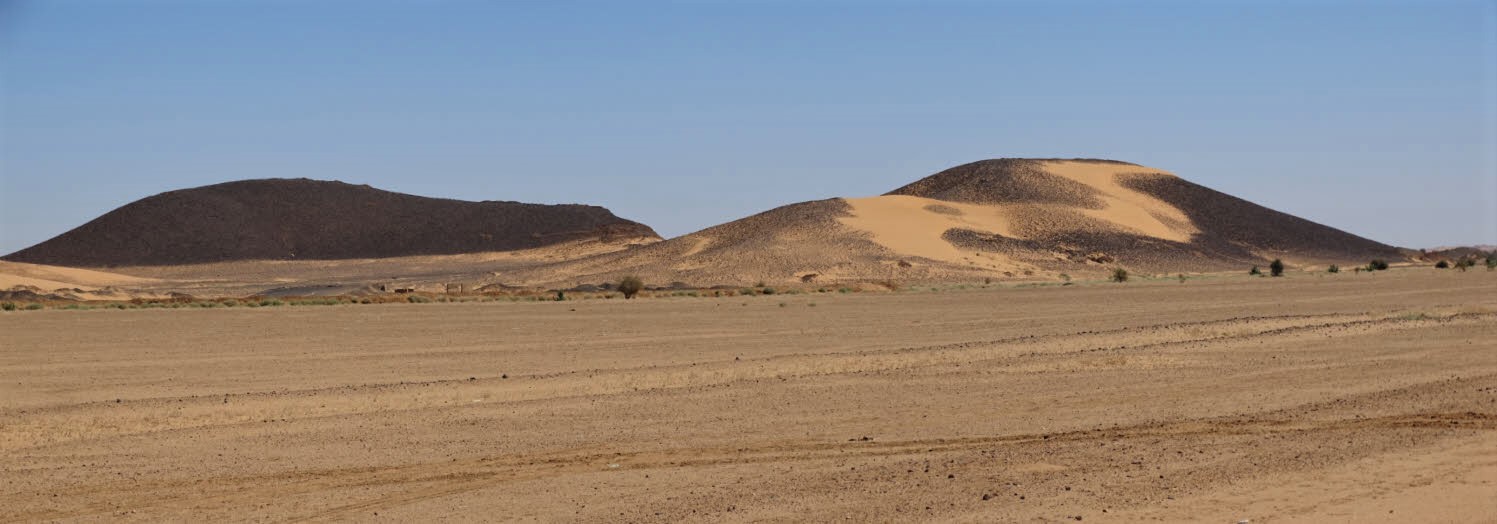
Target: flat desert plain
1310,398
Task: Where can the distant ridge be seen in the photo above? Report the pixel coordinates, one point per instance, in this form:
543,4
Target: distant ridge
1010,218
300,219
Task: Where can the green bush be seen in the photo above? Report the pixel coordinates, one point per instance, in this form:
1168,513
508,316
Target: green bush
8,306
1276,268
1377,265
33,306
1255,271
767,291
1442,265
1119,275
1333,269
630,286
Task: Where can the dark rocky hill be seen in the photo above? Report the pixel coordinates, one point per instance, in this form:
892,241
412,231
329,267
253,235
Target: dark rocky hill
299,219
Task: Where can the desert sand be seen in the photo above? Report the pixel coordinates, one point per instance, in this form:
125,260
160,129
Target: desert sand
14,274
1310,398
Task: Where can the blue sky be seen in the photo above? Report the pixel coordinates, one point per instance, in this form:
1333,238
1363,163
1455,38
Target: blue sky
1375,117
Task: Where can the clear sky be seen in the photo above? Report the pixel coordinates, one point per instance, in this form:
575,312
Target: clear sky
1375,117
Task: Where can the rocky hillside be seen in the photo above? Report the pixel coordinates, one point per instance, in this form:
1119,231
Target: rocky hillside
301,219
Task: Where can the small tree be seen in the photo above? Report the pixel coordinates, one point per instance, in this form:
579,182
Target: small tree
1276,268
630,286
1119,275
1333,269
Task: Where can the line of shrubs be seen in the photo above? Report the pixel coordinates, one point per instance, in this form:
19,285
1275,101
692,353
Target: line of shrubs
1470,261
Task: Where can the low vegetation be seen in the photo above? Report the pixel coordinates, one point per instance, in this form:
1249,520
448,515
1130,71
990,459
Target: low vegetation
1333,269
1255,271
1442,264
630,286
1119,275
1377,265
1276,268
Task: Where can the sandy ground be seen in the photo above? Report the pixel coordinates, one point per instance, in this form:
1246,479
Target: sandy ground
913,225
48,278
1353,398
1126,208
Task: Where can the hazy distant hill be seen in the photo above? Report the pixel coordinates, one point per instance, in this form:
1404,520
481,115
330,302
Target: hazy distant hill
288,219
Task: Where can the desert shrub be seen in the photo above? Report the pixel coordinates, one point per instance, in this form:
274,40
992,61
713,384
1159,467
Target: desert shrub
33,306
1276,268
561,296
1119,275
1492,261
1442,265
844,290
1333,269
1181,276
1255,271
417,299
1377,265
767,291
1465,263
630,286
1064,277
8,306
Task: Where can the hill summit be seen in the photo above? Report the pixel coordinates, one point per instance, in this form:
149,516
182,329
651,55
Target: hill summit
300,219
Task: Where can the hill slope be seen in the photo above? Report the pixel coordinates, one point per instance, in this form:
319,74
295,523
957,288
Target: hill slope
1006,218
286,219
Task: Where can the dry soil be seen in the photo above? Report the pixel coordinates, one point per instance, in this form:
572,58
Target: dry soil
1312,398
